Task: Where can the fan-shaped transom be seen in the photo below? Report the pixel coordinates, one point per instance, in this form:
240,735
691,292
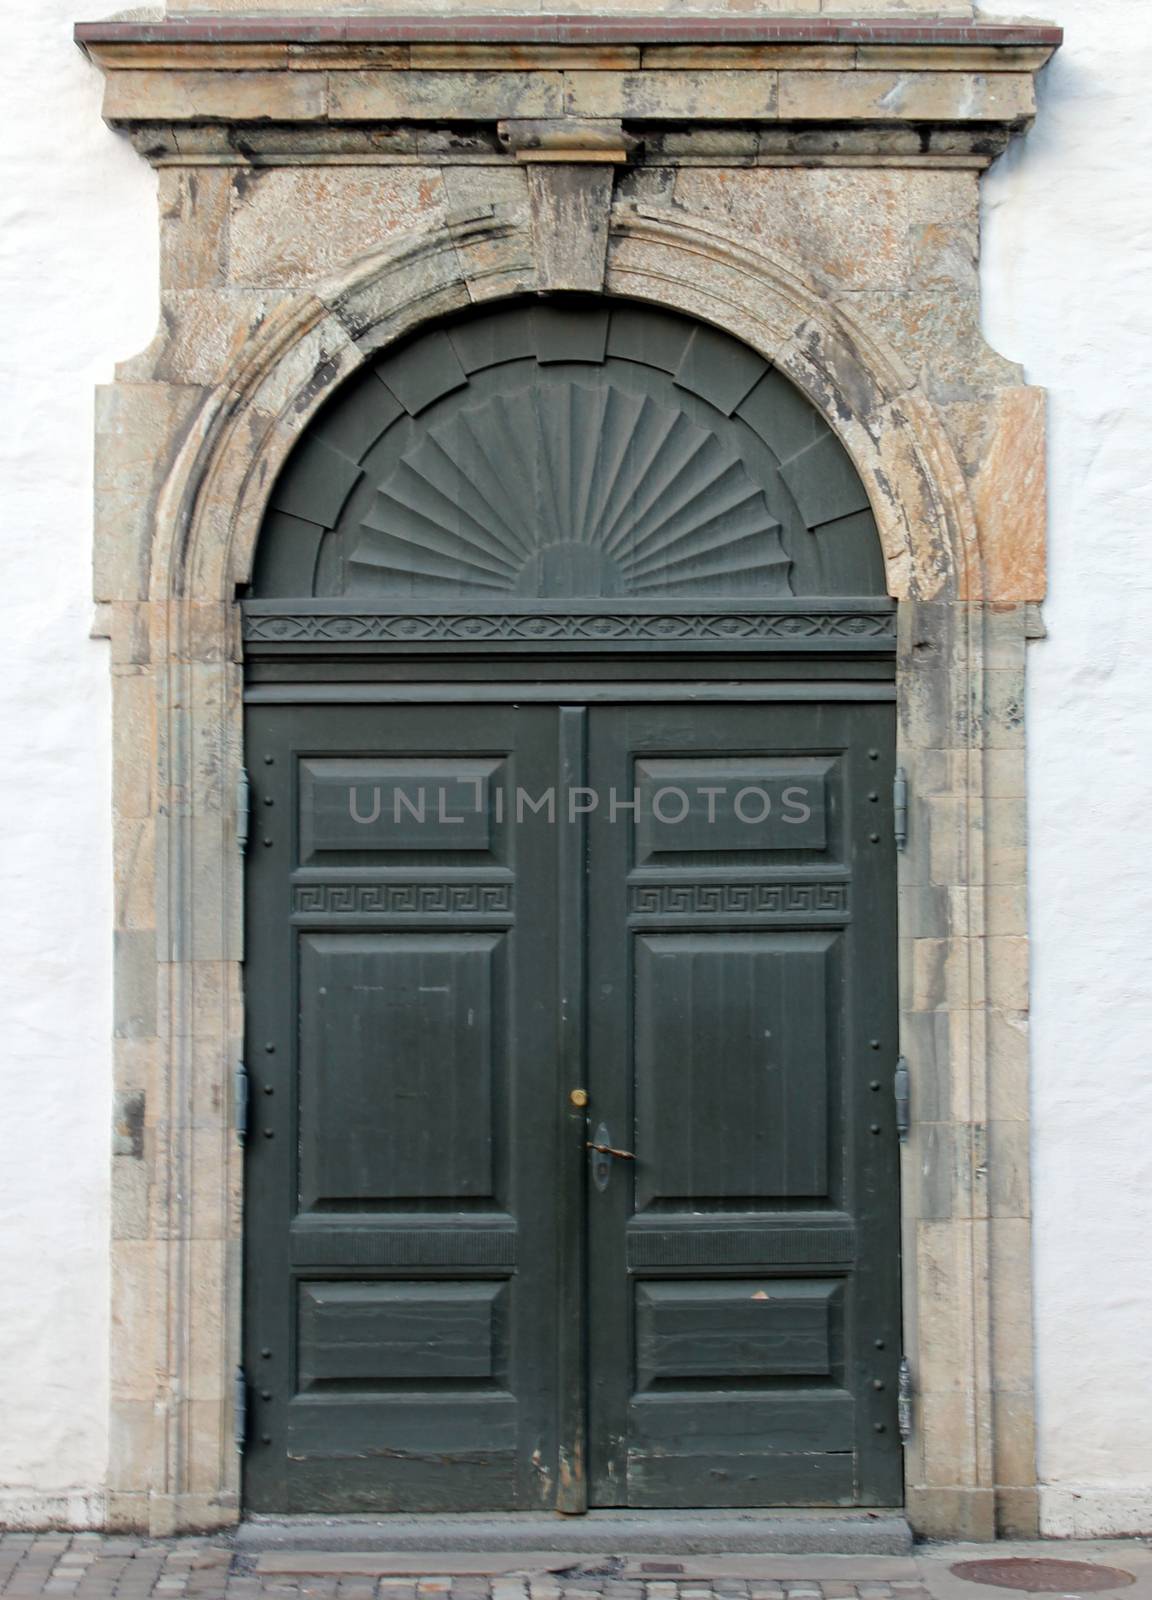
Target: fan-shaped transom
566,455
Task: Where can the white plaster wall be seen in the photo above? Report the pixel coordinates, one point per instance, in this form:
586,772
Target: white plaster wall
1068,282
77,275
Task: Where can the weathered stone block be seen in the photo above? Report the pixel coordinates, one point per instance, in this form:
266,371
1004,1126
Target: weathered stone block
957,58
944,1267
906,96
203,334
1007,1065
183,56
291,225
847,227
444,96
747,57
139,429
349,57
1009,1178
206,1377
131,1178
672,96
569,206
524,57
194,207
215,96
1018,1510
139,1329
944,1170
1013,1402
1009,496
946,1418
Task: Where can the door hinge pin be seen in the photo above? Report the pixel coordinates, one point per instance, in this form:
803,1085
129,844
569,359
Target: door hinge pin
240,1101
900,808
240,1421
904,1401
243,809
902,1089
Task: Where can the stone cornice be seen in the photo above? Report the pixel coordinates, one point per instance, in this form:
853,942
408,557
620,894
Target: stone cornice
534,28
369,89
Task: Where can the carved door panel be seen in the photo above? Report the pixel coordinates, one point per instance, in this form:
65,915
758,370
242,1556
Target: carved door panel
400,1238
743,1312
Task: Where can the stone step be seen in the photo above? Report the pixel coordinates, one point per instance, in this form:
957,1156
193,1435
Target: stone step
622,1533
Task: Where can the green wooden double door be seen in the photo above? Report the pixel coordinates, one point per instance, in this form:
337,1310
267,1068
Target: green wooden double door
571,1176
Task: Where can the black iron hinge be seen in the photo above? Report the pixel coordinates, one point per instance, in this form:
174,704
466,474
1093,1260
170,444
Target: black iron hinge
904,1400
900,808
240,1420
243,809
902,1090
240,1101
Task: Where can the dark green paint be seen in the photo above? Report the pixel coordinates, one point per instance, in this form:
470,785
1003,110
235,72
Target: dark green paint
738,982
577,546
457,1317
564,454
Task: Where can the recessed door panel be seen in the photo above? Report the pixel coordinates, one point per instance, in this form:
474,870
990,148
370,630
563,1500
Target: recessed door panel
731,1066
415,1022
357,809
741,1331
371,1337
746,807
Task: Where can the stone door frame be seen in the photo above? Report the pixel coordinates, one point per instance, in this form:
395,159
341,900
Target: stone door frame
183,472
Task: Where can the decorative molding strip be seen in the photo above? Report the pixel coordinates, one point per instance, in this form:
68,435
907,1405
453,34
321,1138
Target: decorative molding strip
529,28
753,899
739,1247
404,1247
341,627
400,899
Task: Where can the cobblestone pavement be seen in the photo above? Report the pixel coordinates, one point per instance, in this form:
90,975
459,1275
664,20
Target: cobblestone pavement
92,1567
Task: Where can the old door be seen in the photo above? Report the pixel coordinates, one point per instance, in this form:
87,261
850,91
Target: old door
742,1013
603,554
402,1017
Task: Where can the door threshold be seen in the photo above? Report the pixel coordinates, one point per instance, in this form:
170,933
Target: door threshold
686,1532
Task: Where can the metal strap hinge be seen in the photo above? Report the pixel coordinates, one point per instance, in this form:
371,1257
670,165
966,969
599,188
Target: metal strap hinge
904,1400
243,809
900,808
240,1420
902,1090
240,1099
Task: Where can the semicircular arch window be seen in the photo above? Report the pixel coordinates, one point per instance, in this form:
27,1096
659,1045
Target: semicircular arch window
563,455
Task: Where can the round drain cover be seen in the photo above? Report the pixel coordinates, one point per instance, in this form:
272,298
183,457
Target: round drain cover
1040,1576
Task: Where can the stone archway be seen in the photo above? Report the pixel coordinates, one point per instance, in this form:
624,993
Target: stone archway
169,571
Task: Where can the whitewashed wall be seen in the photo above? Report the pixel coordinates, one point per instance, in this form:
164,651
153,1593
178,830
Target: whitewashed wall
1068,280
1068,284
77,274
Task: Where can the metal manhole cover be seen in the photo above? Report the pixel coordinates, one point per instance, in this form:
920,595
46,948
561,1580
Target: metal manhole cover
1041,1576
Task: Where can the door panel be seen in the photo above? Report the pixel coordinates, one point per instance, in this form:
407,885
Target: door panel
411,1020
450,1303
401,1307
720,1016
742,1269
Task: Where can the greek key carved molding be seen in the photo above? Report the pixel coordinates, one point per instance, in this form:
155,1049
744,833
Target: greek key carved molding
753,899
400,899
